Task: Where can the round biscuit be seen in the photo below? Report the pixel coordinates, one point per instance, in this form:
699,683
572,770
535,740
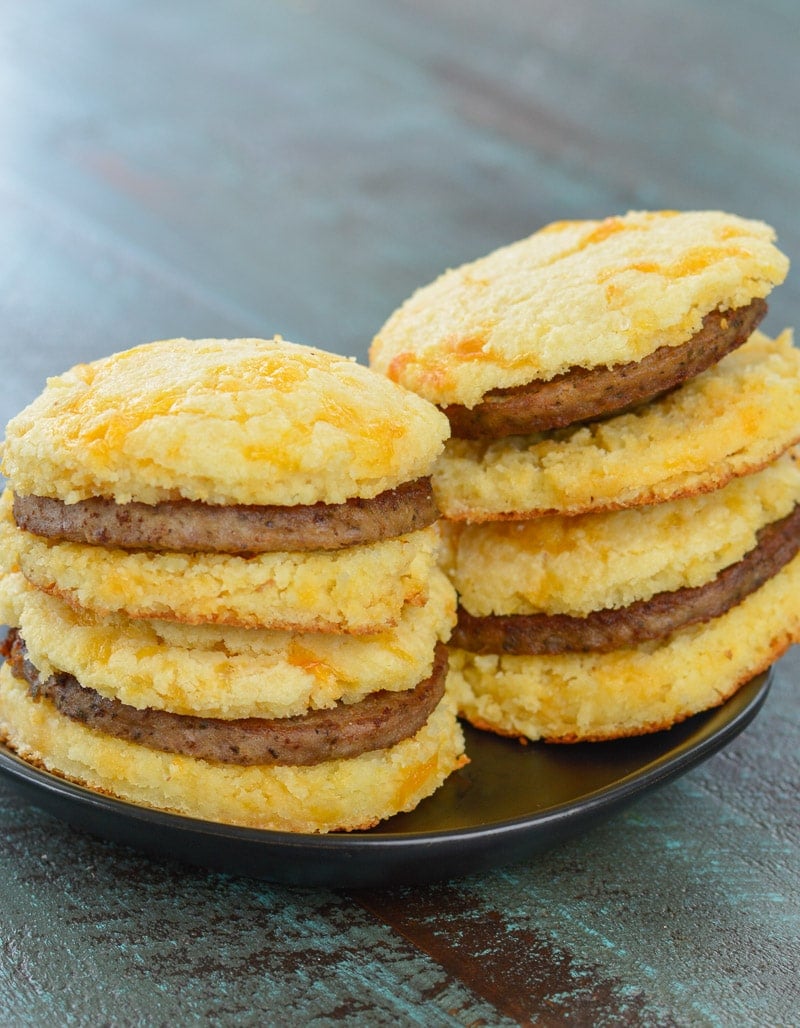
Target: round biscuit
338,795
220,672
731,420
576,565
591,696
575,294
359,589
246,421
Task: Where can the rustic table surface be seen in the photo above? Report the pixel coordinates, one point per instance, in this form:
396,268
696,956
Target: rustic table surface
248,168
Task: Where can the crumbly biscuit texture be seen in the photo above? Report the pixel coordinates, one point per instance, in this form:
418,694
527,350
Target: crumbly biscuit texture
575,565
223,421
731,420
577,696
219,672
576,293
360,589
336,795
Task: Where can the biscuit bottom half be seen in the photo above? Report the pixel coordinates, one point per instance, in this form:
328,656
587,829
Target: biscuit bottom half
339,795
574,697
358,589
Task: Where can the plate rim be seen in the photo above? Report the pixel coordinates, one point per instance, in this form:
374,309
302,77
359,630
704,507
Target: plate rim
665,767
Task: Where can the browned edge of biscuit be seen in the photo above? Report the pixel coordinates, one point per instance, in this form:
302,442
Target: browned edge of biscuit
585,394
232,617
190,526
648,496
376,722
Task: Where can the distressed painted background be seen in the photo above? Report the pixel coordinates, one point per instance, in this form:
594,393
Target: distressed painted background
199,168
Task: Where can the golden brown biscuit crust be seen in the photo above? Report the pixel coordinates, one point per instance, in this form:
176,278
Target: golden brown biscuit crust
223,421
222,672
575,294
574,565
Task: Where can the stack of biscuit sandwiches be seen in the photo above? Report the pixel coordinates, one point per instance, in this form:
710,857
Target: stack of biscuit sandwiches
621,489
219,565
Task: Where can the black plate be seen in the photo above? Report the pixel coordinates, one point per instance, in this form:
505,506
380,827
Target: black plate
509,803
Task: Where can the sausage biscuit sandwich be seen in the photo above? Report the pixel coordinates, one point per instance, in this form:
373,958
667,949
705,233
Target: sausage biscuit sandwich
219,569
621,487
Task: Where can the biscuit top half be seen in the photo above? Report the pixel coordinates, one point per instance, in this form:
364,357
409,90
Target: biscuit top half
575,294
246,421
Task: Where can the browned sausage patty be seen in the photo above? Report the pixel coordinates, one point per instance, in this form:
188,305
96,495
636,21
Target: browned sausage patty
189,526
604,630
377,722
581,394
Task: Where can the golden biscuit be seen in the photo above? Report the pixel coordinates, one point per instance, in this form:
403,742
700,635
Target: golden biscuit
358,589
576,565
728,421
336,795
222,421
591,696
225,672
575,294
